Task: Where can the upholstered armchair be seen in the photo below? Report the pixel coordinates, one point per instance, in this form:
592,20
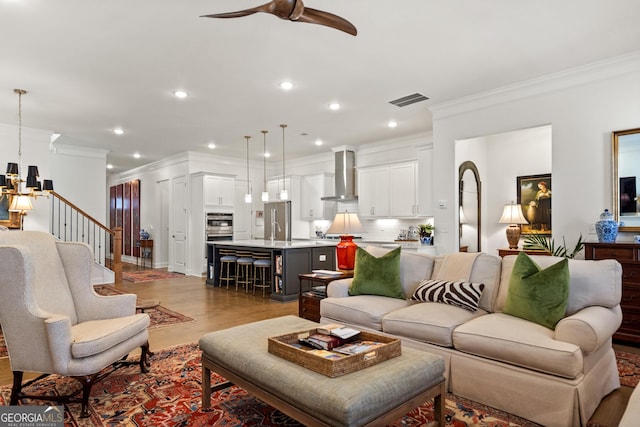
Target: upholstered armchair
53,320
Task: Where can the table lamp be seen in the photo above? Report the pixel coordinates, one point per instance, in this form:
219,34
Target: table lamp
345,224
512,215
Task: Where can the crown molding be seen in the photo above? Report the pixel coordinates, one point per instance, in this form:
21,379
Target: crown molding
572,77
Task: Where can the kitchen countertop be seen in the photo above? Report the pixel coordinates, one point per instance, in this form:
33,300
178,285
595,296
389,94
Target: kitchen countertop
277,244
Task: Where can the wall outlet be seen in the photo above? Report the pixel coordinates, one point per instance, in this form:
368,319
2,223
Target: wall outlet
442,204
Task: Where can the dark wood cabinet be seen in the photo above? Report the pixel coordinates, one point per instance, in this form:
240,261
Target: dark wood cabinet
312,290
628,255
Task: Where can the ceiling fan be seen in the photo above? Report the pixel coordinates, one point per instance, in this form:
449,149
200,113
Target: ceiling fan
294,10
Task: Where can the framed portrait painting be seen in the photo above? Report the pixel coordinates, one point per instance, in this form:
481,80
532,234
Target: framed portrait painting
534,195
8,219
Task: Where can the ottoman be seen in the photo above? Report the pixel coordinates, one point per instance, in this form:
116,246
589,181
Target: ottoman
378,395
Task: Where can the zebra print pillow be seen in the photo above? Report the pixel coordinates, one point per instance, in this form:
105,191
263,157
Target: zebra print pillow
461,294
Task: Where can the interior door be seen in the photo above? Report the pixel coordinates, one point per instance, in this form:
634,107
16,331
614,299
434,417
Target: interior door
178,226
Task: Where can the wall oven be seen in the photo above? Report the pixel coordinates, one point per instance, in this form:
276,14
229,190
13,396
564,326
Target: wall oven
219,226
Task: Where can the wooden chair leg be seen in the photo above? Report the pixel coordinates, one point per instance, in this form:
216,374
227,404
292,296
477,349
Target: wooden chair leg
145,361
87,383
17,387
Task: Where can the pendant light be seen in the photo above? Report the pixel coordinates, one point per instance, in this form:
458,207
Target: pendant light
265,193
283,194
247,196
11,183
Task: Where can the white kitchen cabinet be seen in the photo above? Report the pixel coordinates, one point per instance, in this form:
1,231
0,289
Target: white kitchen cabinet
389,191
403,190
425,182
313,188
219,191
274,186
208,193
373,192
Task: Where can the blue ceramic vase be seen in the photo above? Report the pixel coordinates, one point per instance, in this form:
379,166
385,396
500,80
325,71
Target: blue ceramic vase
607,228
144,235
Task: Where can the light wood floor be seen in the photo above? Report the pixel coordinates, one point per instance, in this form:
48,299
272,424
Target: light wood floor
215,309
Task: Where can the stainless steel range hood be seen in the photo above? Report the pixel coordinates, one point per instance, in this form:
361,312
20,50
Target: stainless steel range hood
345,177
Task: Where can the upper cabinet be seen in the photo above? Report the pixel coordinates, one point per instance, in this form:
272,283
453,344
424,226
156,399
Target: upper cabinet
373,192
218,191
389,191
313,187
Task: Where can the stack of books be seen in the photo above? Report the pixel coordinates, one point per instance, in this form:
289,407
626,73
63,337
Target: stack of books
317,291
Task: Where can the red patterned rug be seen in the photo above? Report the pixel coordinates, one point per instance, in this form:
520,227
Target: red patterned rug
149,275
160,316
169,395
628,368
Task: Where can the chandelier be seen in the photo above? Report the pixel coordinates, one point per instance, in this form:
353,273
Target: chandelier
12,185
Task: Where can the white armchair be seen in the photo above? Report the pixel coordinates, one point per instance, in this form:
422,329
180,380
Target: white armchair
53,320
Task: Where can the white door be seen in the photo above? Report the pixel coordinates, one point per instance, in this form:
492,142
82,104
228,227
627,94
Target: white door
178,246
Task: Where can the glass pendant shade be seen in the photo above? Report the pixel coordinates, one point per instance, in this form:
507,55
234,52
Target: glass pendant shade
265,196
284,195
247,198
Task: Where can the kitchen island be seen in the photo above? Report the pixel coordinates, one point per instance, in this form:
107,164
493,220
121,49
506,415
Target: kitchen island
288,260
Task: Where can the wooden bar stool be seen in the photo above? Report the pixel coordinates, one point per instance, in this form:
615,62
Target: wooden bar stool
262,272
228,260
244,269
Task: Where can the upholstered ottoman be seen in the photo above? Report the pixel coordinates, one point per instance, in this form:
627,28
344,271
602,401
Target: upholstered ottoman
377,395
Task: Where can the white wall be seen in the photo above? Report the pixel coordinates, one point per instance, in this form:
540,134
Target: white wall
583,106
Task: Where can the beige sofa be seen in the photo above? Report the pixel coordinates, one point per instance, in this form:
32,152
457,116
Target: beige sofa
552,377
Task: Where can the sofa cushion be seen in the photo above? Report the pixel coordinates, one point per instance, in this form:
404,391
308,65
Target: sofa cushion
377,275
414,267
518,342
363,310
461,294
429,322
590,282
486,270
537,294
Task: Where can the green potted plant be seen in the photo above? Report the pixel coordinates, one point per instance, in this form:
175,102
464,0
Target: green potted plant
425,233
539,242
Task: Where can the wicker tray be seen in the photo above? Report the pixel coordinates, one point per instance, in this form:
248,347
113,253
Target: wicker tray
281,346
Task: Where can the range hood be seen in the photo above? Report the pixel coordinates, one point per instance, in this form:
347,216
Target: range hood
345,177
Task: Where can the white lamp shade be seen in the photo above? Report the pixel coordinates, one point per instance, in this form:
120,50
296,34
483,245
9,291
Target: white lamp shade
346,223
20,203
512,214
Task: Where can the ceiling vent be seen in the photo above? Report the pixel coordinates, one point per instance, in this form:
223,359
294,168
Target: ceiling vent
408,100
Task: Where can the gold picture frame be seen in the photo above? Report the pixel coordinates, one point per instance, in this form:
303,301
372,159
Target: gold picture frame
8,219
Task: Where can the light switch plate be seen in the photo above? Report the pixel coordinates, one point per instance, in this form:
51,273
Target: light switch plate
323,258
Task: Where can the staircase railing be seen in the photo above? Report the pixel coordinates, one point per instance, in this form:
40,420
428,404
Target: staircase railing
70,223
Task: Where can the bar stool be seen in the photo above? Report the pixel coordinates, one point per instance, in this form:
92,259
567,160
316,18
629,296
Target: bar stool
261,271
228,260
244,269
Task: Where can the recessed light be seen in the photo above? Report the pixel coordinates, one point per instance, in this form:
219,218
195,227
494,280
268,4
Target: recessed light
392,123
267,154
318,142
109,166
211,146
118,131
180,94
286,85
136,155
334,106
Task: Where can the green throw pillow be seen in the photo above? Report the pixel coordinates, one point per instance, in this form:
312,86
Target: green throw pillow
538,295
377,276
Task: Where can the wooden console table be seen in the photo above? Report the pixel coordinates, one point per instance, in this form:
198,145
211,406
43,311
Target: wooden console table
146,252
628,255
504,252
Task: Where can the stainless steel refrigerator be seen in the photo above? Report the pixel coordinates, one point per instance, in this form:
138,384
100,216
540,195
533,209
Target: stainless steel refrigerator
277,220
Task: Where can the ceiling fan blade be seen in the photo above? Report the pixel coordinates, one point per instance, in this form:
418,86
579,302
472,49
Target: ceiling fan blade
314,16
263,8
